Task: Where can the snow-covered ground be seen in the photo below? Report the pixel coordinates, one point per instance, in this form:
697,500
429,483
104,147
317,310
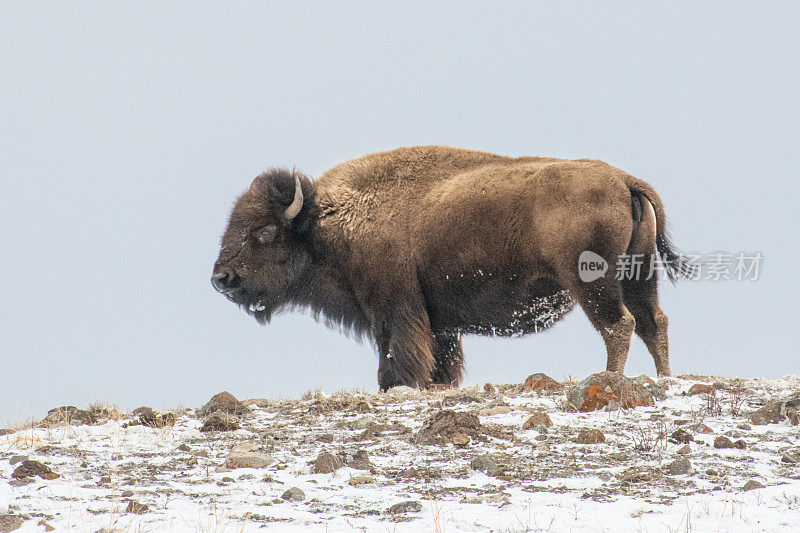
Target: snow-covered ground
504,479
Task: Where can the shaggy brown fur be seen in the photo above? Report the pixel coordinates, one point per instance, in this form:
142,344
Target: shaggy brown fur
416,246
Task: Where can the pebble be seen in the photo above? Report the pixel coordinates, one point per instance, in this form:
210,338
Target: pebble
412,506
542,383
484,463
769,414
294,494
327,463
30,468
679,466
723,442
10,522
590,436
220,422
358,459
361,422
360,480
136,507
791,457
681,436
248,459
752,484
702,388
537,419
224,402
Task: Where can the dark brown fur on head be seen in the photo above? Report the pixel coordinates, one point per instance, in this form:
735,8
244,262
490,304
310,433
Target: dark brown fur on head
262,273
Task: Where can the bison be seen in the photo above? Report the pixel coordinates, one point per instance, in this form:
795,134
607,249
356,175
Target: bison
414,247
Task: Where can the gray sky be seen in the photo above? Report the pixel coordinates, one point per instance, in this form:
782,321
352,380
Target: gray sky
129,129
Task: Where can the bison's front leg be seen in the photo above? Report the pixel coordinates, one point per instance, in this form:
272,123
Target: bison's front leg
405,353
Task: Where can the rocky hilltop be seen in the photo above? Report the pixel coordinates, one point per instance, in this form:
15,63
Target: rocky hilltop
608,453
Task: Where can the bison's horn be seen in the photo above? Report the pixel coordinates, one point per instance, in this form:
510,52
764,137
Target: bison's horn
297,204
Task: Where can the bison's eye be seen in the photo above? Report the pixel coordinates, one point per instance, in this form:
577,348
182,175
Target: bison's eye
266,234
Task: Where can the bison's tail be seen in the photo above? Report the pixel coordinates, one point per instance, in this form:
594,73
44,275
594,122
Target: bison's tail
676,264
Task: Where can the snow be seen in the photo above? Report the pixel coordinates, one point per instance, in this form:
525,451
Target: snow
563,486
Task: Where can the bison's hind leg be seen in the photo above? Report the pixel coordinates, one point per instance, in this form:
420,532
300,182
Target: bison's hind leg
601,300
449,356
641,297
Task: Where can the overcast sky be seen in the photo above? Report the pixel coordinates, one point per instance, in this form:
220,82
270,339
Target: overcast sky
128,130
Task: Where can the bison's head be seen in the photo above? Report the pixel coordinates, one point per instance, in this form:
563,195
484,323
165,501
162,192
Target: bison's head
264,252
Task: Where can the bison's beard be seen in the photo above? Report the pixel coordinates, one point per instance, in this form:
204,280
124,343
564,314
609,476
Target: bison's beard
259,306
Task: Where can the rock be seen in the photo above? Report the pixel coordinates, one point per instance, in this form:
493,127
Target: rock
484,463
70,415
17,459
608,389
685,450
224,402
723,442
681,436
371,432
136,507
791,457
702,388
542,383
700,428
45,525
220,422
406,507
590,436
449,427
793,416
361,422
294,494
30,468
327,463
740,444
126,494
489,388
640,474
325,437
358,459
10,522
679,466
408,473
657,391
184,448
712,472
149,418
539,418
752,484
401,391
770,413
248,459
499,410
360,480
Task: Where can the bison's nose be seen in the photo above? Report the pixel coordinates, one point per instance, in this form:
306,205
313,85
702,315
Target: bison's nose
224,280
